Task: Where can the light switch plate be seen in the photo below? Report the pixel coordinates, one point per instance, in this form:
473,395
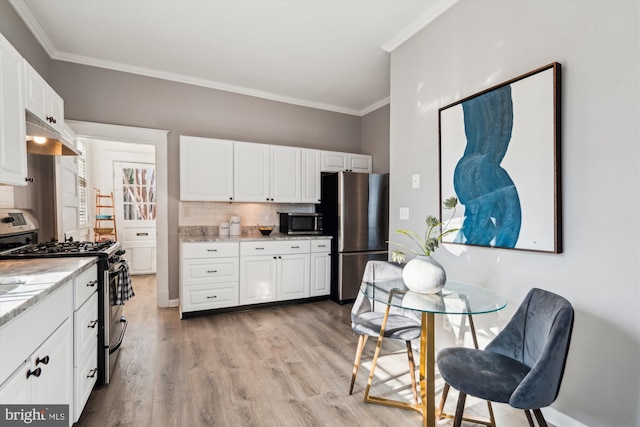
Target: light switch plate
404,213
415,180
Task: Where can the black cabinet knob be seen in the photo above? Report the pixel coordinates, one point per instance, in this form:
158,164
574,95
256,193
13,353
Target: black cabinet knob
35,372
44,360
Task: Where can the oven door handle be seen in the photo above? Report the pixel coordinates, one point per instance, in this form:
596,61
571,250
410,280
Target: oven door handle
117,270
117,345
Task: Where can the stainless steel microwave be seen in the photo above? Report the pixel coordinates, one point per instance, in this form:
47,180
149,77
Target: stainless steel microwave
300,223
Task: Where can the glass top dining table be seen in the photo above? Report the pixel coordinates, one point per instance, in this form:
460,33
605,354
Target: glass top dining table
454,298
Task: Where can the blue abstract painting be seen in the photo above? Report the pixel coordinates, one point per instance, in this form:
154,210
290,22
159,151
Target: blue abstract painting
499,155
490,198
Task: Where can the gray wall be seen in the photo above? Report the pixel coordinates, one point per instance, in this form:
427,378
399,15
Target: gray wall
374,132
478,44
12,27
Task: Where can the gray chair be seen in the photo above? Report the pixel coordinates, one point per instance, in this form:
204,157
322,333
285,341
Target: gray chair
367,316
523,365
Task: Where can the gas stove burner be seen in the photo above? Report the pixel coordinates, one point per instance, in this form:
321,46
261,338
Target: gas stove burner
64,247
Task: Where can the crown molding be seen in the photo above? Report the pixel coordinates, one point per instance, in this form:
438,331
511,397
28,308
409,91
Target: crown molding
374,106
23,11
440,7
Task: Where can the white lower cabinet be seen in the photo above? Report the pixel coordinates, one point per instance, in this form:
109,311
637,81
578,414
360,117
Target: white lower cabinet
37,368
208,275
228,274
320,268
85,338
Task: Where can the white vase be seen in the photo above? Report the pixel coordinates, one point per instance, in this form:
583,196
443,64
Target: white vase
424,274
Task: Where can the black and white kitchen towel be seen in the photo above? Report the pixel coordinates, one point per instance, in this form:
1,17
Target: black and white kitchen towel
124,290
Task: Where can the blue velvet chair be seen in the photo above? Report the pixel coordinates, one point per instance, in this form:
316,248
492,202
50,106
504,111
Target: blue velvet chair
367,316
523,365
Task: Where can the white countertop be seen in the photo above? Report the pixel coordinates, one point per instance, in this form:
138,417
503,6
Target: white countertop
248,237
24,282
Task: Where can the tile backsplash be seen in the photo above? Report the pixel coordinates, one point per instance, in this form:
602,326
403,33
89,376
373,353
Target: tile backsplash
251,214
6,196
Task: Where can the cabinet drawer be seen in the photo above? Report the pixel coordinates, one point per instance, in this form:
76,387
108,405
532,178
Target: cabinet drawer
85,377
86,329
283,247
209,249
140,235
85,284
200,271
203,297
321,245
31,328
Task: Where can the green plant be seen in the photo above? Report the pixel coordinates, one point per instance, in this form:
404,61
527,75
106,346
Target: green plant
426,244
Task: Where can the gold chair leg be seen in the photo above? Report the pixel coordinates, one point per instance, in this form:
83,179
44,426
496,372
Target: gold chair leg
412,372
362,340
457,421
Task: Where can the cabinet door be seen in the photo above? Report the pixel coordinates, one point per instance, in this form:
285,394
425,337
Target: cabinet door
333,161
55,110
285,167
258,277
310,181
35,93
17,388
293,277
359,163
251,172
320,274
206,169
13,149
55,383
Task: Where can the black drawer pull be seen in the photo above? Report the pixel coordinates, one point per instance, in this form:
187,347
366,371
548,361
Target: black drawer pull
212,271
142,234
295,247
44,360
35,372
212,297
92,283
322,246
92,324
92,373
259,249
212,250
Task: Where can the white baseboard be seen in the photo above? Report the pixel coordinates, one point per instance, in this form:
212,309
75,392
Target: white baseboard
560,419
173,303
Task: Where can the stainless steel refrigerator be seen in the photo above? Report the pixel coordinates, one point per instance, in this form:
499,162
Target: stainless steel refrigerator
355,208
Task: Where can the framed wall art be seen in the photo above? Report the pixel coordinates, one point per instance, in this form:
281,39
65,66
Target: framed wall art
500,156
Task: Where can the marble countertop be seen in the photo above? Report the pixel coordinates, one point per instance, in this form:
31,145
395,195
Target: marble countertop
24,282
247,237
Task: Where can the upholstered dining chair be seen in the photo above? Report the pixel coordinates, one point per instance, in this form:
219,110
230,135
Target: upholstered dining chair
523,365
367,316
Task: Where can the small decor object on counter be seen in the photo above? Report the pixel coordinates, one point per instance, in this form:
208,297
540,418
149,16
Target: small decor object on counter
235,229
265,230
223,229
424,274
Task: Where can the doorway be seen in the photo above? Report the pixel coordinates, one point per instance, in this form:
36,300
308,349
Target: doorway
158,139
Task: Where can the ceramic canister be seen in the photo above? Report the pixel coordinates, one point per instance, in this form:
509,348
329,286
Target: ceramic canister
224,229
234,226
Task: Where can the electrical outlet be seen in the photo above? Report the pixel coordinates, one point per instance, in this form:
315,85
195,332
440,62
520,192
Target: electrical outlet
415,181
404,213
186,211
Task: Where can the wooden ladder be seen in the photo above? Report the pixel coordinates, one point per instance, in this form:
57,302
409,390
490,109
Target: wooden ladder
105,222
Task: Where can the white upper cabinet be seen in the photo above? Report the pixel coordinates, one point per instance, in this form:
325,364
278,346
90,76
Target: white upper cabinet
206,169
251,172
334,161
285,180
310,176
13,148
42,101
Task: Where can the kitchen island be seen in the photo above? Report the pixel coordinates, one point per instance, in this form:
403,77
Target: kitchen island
238,272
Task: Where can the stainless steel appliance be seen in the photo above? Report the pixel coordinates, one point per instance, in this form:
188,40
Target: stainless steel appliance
355,210
18,240
300,223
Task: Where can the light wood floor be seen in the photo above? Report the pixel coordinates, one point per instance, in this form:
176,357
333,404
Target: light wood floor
284,366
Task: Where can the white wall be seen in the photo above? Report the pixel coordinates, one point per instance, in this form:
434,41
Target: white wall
478,44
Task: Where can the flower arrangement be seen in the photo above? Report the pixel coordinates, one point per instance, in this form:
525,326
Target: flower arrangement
428,243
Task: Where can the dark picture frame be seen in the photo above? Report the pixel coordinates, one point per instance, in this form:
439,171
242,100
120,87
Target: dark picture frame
500,156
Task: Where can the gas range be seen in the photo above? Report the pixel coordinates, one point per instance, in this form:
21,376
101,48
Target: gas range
104,249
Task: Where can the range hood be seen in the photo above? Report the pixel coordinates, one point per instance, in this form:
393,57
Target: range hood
49,142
